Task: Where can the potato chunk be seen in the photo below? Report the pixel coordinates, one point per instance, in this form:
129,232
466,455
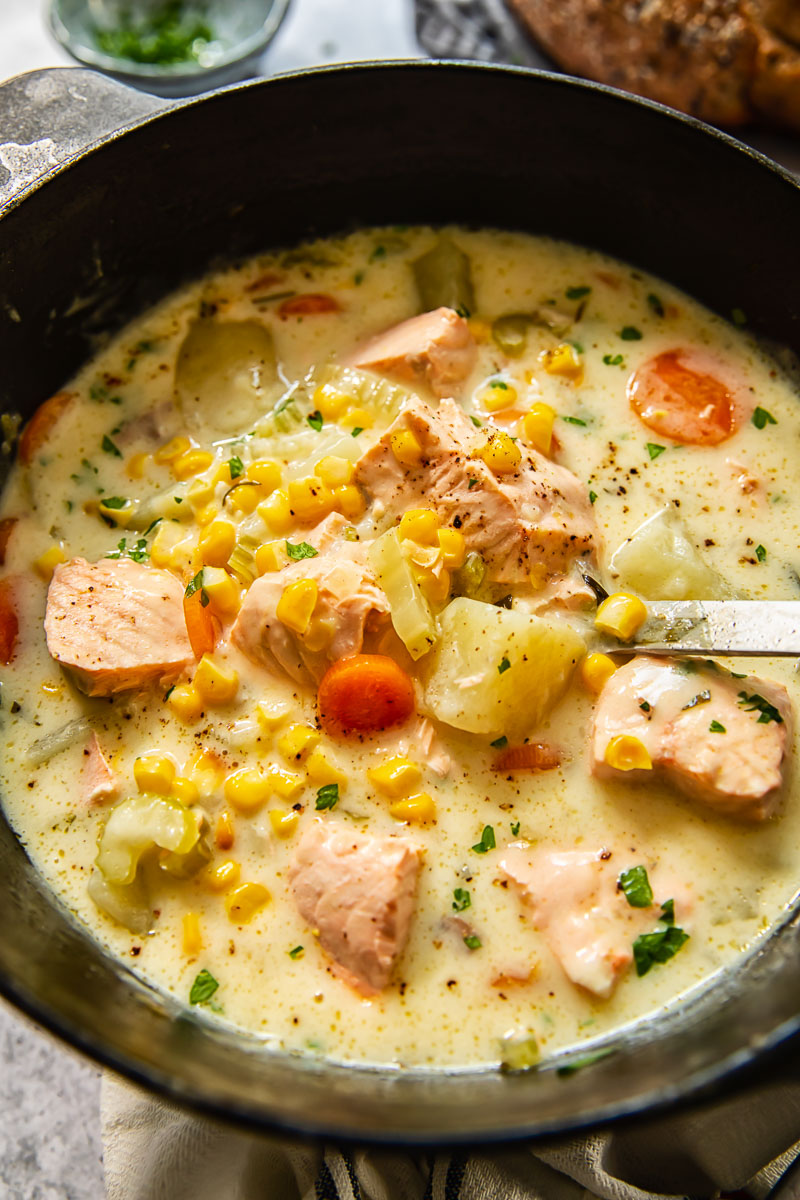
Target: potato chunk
223,374
661,563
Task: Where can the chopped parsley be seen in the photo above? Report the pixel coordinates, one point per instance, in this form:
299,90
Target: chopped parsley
113,502
573,420
378,252
300,551
471,483
498,383
357,430
463,312
327,797
654,450
716,727
461,900
592,497
577,346
657,947
296,952
613,360
667,914
487,841
636,887
315,419
585,1060
138,551
358,278
109,447
499,743
701,698
504,665
515,828
475,421
195,585
235,466
761,553
756,703
645,706
762,417
629,333
655,303
203,988
577,293
738,316
472,941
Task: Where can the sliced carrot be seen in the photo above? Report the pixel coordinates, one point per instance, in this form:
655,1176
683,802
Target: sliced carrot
307,304
6,529
365,693
201,626
676,396
40,426
533,756
9,622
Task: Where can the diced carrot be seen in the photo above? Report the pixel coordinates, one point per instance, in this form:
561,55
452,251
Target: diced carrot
6,529
201,626
676,396
307,304
365,693
40,426
533,756
9,622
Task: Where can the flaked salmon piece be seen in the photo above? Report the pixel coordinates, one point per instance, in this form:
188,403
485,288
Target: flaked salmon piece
98,781
357,892
536,516
349,601
435,348
719,739
116,625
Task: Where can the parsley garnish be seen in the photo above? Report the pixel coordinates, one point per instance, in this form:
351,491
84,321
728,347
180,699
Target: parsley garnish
472,941
196,584
109,447
487,841
629,333
137,552
738,316
357,430
498,383
113,502
762,417
592,497
504,665
463,312
716,727
327,797
577,1064
301,550
761,553
315,420
655,303
358,278
667,914
573,420
461,900
578,346
475,421
701,698
378,252
471,483
636,886
515,828
235,466
296,952
203,988
613,360
756,703
654,450
577,293
500,742
645,706
657,947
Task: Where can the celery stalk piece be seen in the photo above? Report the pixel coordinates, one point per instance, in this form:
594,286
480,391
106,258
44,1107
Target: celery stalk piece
411,614
139,823
444,277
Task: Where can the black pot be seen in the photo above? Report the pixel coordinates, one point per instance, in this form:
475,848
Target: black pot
128,216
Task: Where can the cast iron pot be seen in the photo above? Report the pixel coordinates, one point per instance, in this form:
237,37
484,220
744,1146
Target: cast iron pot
98,224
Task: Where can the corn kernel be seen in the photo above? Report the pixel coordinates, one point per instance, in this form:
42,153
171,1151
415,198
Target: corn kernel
621,615
272,713
135,466
205,515
283,822
172,450
453,547
216,543
297,741
296,605
357,418
309,498
154,773
626,753
563,360
244,497
215,685
481,330
406,448
321,771
334,471
185,790
245,901
320,633
224,593
224,833
185,702
596,670
46,563
330,402
396,777
266,473
349,501
276,512
271,557
192,463
285,784
498,395
223,876
500,453
419,808
208,770
536,427
247,789
192,939
435,586
200,493
419,525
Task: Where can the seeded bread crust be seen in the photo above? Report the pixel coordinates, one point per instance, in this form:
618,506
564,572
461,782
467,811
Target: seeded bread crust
729,62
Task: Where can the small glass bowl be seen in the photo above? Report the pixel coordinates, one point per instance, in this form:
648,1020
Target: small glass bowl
243,29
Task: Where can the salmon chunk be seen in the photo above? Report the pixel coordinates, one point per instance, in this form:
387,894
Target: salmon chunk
575,903
435,348
537,515
357,892
720,739
116,624
99,782
349,601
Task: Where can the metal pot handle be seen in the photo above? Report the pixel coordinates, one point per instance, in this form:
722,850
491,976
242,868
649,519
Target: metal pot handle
54,114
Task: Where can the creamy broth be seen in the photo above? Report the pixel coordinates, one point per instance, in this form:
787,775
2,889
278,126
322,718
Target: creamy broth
468,977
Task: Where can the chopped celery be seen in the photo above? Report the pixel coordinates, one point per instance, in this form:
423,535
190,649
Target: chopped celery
126,903
661,563
372,392
444,277
243,559
184,866
411,614
138,824
223,374
510,333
